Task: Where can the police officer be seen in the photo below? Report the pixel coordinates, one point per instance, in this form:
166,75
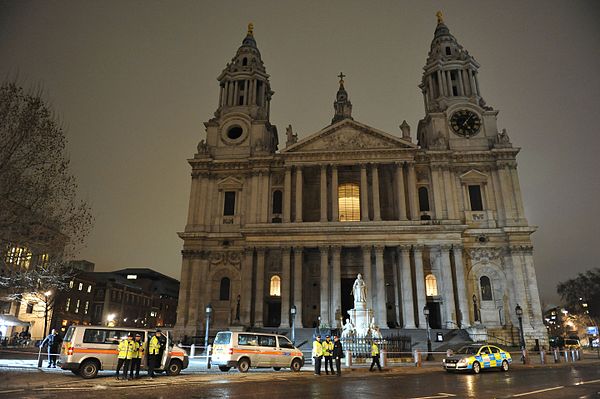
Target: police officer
317,354
136,359
328,354
338,354
126,349
53,341
155,347
375,356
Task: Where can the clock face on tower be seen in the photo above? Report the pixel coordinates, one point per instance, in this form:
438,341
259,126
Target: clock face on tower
465,123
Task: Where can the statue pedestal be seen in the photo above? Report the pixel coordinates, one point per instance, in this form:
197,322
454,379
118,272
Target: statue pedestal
361,318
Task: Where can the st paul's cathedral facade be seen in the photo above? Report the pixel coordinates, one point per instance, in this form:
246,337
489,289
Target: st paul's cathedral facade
434,221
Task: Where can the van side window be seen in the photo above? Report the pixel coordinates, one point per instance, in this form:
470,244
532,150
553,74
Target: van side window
285,343
94,336
248,339
267,340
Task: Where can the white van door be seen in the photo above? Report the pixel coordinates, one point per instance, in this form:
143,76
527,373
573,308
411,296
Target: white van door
268,350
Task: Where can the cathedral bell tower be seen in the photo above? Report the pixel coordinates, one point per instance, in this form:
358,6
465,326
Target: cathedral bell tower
456,114
341,105
241,127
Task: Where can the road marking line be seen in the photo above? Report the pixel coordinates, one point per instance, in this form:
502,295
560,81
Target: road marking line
440,395
11,391
587,382
538,391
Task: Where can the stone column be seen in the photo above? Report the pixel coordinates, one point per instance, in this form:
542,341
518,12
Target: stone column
298,194
440,83
246,295
336,284
400,191
287,195
412,192
200,205
461,88
366,251
465,78
535,307
397,287
438,193
420,283
448,178
364,197
194,200
518,198
255,199
448,291
461,289
324,280
407,292
381,307
376,203
265,197
449,82
323,190
298,285
260,288
335,204
285,287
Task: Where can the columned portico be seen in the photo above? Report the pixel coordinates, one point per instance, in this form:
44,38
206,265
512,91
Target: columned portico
407,289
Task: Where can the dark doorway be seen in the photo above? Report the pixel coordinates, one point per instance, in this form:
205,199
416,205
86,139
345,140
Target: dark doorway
347,298
273,315
435,316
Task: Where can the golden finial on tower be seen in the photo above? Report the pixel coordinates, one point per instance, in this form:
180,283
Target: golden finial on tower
440,17
250,29
341,76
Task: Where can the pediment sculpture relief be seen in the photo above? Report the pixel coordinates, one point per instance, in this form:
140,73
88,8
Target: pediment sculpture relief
348,139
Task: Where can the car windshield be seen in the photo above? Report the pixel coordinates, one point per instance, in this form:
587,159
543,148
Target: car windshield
69,334
468,350
223,338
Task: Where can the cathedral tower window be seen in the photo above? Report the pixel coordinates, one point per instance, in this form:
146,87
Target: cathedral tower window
431,285
229,205
448,51
245,61
486,288
277,202
224,289
349,202
275,286
424,199
454,80
475,198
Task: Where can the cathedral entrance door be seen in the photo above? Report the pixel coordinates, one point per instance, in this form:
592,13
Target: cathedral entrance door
435,315
347,298
273,315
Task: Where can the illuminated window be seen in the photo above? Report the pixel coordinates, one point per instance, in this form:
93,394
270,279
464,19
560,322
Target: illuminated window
275,287
19,256
349,202
132,277
431,285
71,284
44,259
80,286
486,288
87,307
77,306
68,304
89,288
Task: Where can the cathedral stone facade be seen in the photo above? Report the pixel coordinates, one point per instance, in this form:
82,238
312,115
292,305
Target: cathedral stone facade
434,221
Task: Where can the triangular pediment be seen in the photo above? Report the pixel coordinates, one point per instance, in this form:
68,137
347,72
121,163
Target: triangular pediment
473,176
348,135
229,182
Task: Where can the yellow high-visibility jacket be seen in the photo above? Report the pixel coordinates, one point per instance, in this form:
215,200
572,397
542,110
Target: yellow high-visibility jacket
317,350
126,349
139,349
327,348
374,349
154,346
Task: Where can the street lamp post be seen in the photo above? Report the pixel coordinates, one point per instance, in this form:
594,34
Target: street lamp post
293,314
519,312
209,310
429,354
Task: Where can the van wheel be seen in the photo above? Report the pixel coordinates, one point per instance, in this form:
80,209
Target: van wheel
504,365
296,365
244,365
89,369
476,368
174,368
224,368
276,368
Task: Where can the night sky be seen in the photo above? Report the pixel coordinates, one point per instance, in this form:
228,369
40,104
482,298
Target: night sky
133,81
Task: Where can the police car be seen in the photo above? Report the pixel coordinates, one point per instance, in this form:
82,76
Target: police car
477,357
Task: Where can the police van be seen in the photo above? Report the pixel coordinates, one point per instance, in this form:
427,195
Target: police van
88,349
249,349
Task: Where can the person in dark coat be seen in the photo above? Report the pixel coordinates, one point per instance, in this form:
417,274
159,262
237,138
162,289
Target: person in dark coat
53,341
338,354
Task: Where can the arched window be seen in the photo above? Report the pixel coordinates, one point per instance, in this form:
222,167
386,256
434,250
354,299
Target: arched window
224,289
431,285
275,287
486,288
423,199
245,61
277,201
349,202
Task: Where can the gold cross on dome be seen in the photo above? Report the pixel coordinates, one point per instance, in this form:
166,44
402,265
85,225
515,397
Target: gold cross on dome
341,76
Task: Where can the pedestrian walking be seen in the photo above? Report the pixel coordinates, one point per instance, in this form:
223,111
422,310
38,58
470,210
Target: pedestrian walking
53,342
338,354
126,349
155,347
328,354
375,356
136,359
317,354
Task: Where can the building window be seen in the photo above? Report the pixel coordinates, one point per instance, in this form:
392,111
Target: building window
71,284
68,304
19,256
486,288
44,259
80,286
229,206
77,306
89,288
224,289
424,199
87,307
275,287
29,308
277,202
431,285
349,202
475,198
448,51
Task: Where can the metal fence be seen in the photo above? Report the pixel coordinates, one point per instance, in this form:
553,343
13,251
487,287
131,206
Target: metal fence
395,346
